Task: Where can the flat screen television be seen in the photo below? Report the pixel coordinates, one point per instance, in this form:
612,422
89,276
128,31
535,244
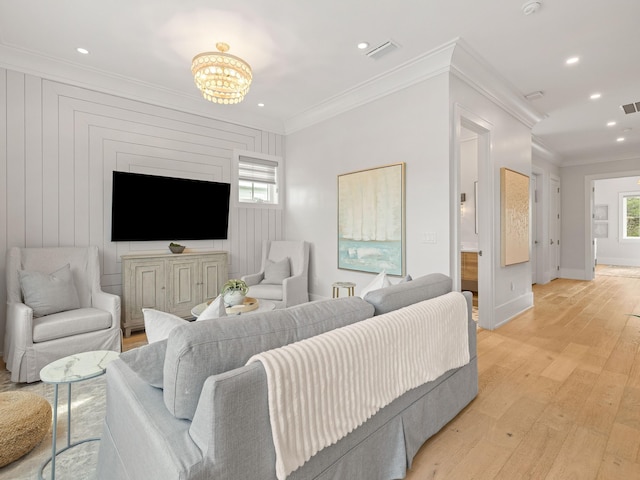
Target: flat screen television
151,207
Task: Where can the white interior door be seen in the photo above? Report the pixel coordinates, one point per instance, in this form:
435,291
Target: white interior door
554,228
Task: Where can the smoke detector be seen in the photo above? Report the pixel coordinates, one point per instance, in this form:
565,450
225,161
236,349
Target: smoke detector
531,6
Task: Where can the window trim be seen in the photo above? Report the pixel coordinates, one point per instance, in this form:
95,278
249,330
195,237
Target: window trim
621,217
235,174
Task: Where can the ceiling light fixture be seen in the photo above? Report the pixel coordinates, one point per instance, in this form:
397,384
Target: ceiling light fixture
572,60
83,51
620,139
611,124
363,45
221,77
595,96
261,104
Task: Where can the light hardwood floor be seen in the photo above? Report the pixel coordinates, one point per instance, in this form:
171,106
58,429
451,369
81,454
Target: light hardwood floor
559,392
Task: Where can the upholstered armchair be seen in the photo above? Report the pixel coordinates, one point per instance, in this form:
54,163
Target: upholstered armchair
284,276
69,312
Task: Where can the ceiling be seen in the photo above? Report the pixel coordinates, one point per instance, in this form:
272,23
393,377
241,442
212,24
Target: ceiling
304,52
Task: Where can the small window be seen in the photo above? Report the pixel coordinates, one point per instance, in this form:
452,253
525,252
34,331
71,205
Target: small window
630,216
258,179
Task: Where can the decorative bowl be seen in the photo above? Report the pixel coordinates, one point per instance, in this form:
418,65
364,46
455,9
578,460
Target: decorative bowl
176,248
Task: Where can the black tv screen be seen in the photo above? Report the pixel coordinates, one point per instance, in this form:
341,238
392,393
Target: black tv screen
150,207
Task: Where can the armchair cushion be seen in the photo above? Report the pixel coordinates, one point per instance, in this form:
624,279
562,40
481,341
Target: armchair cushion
276,272
51,293
69,323
266,291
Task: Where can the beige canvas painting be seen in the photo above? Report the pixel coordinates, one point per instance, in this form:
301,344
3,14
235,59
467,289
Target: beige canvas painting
371,220
514,217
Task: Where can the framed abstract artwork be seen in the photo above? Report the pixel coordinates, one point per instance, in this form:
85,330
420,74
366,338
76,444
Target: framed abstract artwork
514,217
371,220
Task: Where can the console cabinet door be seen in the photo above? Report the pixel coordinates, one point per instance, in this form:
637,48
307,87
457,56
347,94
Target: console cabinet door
183,286
144,287
214,275
170,283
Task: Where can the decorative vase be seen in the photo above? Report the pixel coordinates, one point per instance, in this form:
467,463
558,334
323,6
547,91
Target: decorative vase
233,298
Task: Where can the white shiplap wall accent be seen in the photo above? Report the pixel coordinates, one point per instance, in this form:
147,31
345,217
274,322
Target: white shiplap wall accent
59,145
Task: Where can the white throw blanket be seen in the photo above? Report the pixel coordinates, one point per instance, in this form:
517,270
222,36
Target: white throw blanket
322,388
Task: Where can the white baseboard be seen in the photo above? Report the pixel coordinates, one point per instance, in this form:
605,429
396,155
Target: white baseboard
507,311
621,262
573,274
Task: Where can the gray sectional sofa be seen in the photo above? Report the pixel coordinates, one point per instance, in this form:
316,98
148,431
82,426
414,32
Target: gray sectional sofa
189,408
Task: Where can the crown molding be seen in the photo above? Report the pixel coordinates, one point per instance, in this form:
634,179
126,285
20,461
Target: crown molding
55,69
578,162
471,68
423,67
541,151
455,56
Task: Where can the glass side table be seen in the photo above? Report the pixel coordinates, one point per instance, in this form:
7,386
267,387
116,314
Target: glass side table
71,369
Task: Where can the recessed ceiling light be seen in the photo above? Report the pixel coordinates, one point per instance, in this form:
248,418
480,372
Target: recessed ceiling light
595,96
261,104
363,45
572,60
83,51
620,139
611,124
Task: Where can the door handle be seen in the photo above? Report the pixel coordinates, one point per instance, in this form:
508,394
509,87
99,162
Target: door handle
480,252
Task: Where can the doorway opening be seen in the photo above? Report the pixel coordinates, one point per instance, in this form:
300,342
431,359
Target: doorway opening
472,235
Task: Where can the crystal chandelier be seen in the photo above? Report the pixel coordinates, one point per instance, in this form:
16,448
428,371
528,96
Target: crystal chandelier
221,77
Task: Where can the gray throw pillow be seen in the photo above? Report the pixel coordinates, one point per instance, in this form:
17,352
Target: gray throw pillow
147,362
49,293
276,272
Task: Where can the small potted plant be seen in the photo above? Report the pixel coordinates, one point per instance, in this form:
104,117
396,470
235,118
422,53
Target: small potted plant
176,247
234,291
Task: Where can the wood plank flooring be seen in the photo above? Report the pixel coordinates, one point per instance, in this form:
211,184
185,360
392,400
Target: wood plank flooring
559,394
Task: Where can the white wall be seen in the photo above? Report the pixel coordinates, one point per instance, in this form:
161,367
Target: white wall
407,126
612,250
510,146
576,211
62,144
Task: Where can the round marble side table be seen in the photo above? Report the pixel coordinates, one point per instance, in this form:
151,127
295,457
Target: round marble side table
71,369
338,285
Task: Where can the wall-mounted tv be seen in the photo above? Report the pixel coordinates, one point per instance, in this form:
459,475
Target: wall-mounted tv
151,207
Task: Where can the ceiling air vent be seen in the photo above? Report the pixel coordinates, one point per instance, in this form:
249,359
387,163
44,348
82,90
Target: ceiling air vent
382,49
631,107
